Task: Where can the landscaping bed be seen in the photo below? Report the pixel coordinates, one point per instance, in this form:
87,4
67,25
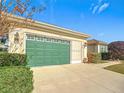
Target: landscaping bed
116,68
15,77
95,58
16,80
9,59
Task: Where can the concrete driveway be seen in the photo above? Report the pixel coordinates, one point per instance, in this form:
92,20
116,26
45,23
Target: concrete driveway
77,78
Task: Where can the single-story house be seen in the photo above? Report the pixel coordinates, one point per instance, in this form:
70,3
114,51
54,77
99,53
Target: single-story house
96,46
46,44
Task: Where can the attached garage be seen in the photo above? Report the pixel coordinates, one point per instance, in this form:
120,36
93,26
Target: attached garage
46,44
43,51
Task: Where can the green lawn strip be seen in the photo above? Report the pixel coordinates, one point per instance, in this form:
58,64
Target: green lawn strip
16,80
100,61
122,61
116,68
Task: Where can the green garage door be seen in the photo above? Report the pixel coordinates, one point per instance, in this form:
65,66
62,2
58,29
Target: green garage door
42,51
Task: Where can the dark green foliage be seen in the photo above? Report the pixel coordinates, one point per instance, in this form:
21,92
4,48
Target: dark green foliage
8,59
122,57
105,56
16,80
3,49
97,58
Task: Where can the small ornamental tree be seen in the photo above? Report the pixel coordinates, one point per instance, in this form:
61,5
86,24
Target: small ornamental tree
116,50
18,8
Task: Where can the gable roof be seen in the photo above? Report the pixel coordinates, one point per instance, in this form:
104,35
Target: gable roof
96,42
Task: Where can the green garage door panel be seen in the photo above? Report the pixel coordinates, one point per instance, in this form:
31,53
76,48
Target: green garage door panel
41,53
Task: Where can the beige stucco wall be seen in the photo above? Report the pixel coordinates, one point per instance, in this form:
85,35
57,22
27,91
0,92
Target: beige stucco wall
77,51
98,48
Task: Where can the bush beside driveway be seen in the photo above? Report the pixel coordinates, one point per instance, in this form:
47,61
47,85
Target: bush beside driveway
15,80
15,77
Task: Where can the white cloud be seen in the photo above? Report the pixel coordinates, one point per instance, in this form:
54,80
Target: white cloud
99,7
92,6
103,7
95,9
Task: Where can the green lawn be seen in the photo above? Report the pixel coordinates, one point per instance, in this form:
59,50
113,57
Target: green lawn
101,61
116,68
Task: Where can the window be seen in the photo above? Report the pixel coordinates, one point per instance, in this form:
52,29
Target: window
46,39
103,48
30,37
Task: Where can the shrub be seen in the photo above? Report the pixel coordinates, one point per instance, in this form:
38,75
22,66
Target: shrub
94,58
105,56
90,57
97,58
15,80
122,57
8,59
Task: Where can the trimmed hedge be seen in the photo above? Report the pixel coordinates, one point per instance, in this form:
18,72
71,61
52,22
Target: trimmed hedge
16,80
8,59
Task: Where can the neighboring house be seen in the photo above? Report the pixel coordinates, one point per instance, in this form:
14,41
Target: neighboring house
47,44
97,46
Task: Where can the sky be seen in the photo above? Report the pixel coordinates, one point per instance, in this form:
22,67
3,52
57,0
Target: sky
102,19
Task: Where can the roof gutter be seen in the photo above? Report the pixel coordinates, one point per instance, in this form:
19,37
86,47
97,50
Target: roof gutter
41,25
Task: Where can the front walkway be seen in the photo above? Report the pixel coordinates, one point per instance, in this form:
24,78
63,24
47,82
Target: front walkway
77,78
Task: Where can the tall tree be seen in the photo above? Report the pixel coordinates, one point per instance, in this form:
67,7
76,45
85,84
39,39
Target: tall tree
116,50
18,8
22,8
